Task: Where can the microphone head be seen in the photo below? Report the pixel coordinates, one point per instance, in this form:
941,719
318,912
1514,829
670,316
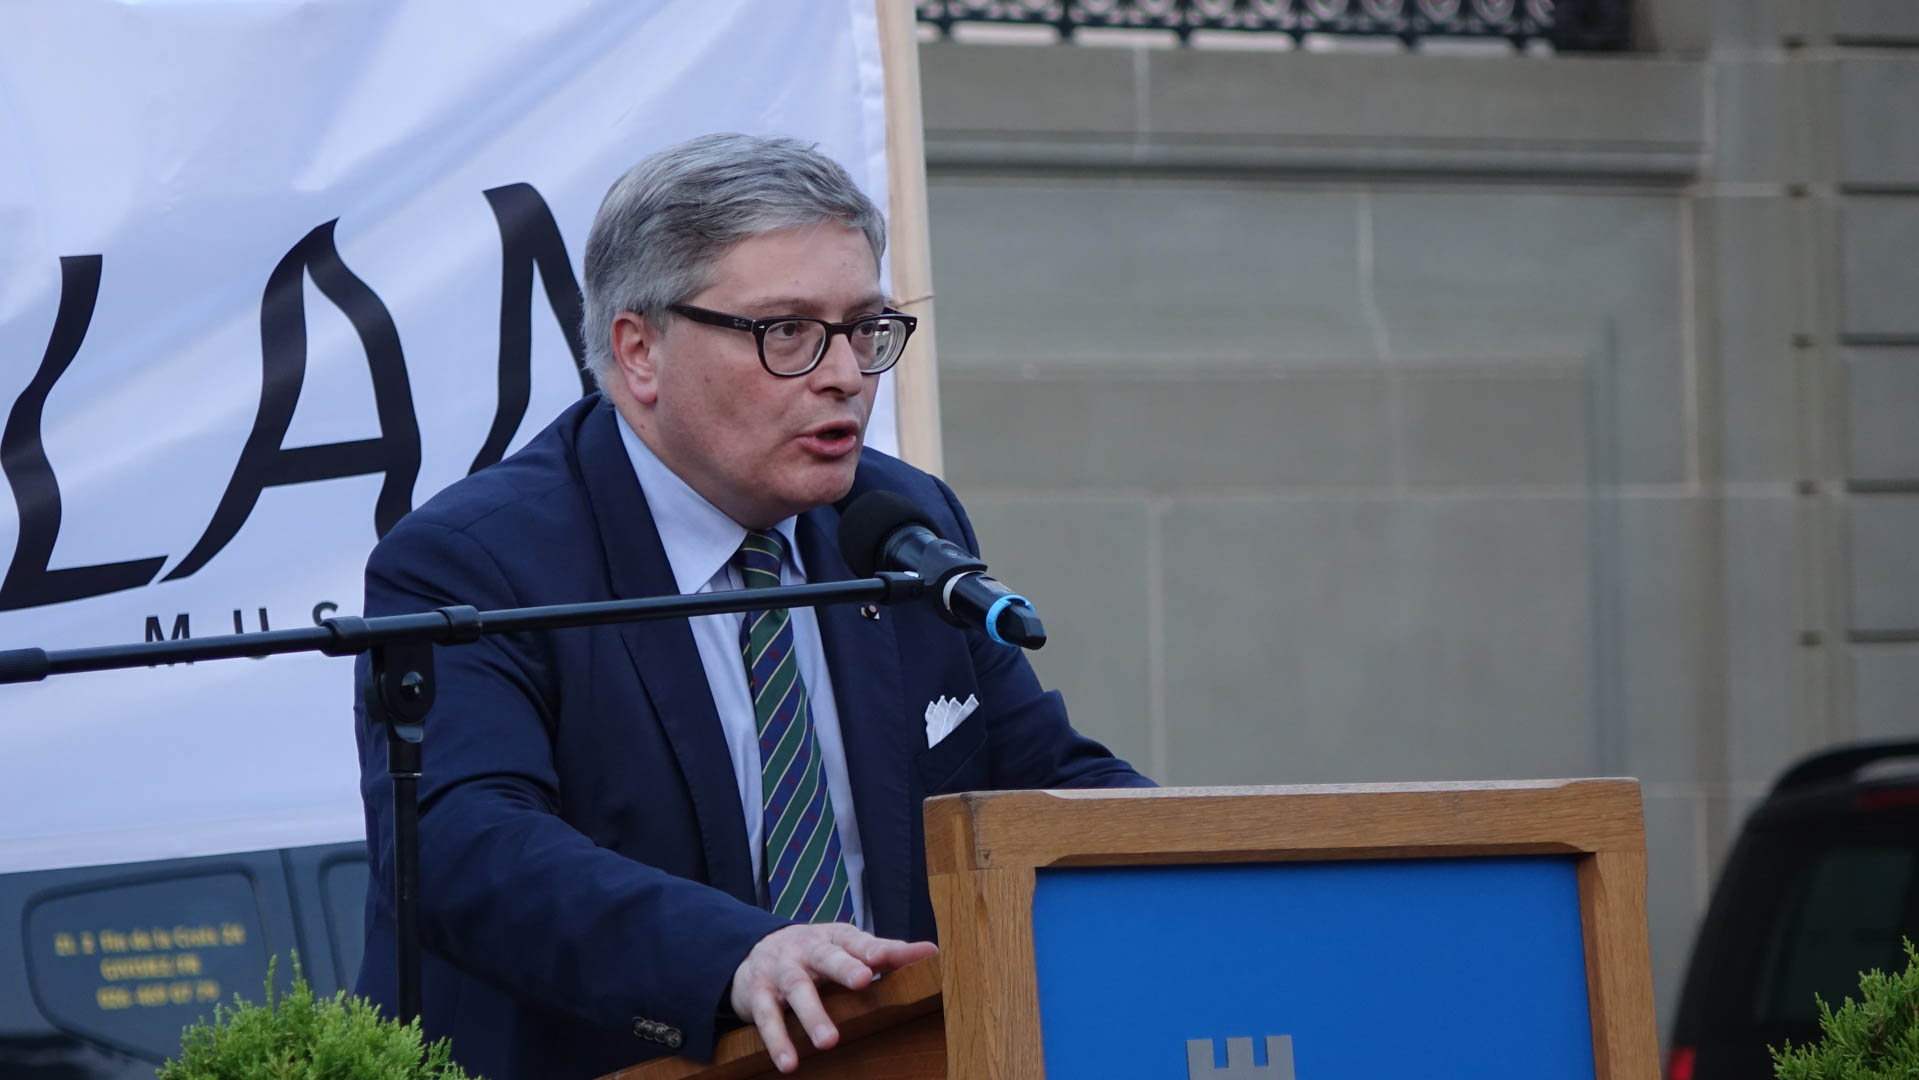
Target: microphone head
867,523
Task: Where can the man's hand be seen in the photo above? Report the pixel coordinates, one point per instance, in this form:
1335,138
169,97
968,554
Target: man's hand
786,963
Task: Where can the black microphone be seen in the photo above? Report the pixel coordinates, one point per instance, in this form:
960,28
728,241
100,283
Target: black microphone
884,531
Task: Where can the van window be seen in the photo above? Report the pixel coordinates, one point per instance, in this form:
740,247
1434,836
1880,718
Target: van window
1845,911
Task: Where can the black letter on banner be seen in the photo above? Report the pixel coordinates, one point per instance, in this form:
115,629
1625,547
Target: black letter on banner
36,492
529,237
182,628
264,462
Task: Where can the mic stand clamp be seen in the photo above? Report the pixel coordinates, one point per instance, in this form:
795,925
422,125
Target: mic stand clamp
900,586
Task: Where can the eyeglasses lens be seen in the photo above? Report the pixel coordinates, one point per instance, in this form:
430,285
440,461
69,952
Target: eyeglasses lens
877,343
791,346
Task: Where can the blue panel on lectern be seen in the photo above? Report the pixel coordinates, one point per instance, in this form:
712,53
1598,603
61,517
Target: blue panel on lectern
1435,969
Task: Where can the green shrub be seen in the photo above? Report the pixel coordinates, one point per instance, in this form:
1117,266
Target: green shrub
301,1037
1874,1038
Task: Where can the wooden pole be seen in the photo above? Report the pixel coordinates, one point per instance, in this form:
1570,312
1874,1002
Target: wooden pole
916,391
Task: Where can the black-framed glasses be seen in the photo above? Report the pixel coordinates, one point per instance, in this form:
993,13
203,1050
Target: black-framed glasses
791,345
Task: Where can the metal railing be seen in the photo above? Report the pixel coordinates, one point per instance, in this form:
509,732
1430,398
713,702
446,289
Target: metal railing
1566,25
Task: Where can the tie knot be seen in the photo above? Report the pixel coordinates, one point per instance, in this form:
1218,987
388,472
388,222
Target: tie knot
759,558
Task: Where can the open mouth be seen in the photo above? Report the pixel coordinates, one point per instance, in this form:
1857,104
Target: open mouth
833,439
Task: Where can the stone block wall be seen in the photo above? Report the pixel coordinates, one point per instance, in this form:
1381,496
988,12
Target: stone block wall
1395,417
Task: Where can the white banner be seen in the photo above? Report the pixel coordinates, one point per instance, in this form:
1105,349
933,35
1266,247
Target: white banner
271,274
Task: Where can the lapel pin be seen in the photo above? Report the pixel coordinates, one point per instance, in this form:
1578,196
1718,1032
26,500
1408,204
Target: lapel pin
871,611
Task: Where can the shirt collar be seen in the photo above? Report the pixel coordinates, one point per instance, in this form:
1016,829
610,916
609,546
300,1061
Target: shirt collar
698,537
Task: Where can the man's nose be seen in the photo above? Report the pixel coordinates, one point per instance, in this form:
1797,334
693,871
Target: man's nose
839,369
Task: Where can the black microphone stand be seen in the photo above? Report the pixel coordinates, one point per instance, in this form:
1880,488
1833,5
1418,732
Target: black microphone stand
399,692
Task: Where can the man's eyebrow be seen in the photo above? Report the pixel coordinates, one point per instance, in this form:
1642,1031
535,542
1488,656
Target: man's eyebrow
796,305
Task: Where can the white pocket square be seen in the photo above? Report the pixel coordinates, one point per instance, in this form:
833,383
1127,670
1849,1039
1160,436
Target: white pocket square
944,714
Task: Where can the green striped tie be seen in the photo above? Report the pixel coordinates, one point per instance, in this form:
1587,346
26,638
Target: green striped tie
804,870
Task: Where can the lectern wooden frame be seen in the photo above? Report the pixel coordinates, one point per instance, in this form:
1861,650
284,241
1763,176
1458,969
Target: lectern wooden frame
984,852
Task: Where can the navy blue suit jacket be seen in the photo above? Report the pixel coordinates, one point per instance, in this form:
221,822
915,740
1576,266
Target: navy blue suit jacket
584,861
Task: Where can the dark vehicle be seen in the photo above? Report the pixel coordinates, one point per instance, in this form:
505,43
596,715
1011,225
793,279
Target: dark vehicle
104,965
1822,885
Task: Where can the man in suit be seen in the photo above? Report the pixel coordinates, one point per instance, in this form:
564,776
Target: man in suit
634,835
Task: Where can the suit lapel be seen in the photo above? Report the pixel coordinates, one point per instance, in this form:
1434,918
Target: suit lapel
664,656
862,656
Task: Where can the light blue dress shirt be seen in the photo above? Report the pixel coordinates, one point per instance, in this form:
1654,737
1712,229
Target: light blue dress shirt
700,541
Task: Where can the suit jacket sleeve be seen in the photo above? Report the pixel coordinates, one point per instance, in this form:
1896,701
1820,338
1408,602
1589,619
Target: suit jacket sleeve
510,891
1031,744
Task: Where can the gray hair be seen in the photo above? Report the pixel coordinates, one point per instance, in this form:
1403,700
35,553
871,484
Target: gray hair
664,225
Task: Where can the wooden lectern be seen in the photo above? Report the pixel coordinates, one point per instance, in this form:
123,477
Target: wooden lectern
1311,933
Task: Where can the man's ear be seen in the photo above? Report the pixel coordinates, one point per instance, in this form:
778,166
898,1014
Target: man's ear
636,354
